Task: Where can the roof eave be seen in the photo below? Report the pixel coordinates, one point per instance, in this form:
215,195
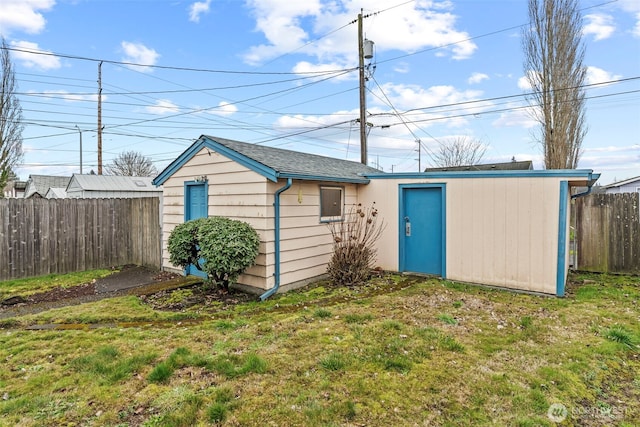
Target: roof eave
305,177
206,142
585,174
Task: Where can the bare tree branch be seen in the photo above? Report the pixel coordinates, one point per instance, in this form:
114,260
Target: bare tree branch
131,163
460,151
10,119
553,66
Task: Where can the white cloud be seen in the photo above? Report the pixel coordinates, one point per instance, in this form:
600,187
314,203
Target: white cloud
23,15
137,53
600,25
43,60
198,8
163,106
290,26
632,7
224,109
477,78
524,83
401,67
597,75
518,117
307,67
70,97
406,97
613,149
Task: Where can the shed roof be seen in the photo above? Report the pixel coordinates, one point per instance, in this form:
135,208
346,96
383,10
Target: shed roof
40,184
274,163
112,183
506,166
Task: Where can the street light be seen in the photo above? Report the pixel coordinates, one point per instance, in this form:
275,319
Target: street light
80,149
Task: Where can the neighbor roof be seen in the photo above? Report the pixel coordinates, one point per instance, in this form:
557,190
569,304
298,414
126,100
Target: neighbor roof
274,163
112,183
40,184
507,166
621,183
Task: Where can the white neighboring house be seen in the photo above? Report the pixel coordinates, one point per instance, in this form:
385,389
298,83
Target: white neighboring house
38,185
56,193
631,185
110,187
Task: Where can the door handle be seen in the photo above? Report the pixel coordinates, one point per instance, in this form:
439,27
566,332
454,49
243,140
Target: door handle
407,226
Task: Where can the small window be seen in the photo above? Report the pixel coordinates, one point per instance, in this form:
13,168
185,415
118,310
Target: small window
331,202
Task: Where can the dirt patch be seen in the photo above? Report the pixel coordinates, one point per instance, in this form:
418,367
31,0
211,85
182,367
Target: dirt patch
195,296
129,279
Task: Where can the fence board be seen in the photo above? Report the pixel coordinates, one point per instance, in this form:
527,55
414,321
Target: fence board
43,236
608,232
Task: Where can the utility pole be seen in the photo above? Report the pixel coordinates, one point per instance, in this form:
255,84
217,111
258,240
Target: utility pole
365,51
100,118
80,148
363,100
419,155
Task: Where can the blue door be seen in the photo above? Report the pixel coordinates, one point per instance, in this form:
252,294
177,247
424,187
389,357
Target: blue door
422,229
195,206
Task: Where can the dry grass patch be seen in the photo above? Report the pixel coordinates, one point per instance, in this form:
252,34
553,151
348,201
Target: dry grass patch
397,351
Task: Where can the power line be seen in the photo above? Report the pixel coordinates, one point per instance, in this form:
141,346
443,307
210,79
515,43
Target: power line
165,67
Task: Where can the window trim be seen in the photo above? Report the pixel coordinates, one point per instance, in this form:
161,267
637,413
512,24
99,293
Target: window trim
331,218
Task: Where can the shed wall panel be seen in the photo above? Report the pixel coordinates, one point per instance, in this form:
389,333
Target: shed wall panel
499,231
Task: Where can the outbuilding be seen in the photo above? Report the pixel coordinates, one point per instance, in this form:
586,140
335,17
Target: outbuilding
500,228
110,187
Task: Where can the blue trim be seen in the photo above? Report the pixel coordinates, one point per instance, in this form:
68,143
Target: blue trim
401,215
586,174
590,185
204,142
187,215
178,162
269,173
561,273
276,204
323,178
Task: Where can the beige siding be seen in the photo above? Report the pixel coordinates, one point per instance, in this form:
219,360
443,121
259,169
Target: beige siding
499,231
305,242
235,192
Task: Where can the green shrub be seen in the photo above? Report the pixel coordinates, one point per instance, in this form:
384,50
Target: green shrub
221,247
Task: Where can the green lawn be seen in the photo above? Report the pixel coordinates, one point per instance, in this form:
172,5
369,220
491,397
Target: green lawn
398,352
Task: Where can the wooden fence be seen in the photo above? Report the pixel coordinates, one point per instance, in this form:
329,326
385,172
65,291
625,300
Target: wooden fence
43,236
608,232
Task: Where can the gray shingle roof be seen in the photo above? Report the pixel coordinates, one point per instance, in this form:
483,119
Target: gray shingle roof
297,164
40,184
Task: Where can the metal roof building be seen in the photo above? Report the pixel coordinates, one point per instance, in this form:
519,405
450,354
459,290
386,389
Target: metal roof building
107,186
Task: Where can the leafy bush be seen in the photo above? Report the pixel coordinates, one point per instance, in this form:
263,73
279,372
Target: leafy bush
353,246
221,247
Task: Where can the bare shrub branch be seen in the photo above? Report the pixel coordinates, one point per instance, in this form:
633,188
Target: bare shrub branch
354,253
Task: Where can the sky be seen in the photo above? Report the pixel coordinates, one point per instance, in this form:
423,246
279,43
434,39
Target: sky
284,73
